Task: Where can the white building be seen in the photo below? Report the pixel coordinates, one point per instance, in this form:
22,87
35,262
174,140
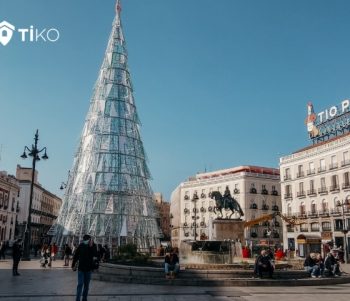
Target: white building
9,192
45,205
315,180
257,190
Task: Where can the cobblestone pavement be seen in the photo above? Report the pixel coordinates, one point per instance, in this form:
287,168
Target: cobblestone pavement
59,283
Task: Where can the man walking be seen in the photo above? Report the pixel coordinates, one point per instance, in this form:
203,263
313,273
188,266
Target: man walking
86,254
16,255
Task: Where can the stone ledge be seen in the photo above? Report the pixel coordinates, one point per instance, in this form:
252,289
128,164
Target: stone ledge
150,275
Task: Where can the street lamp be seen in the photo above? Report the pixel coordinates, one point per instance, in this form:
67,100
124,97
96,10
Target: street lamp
34,153
345,228
194,200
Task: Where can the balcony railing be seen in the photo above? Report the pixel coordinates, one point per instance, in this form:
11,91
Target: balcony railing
312,192
345,162
335,211
287,177
323,190
300,174
346,186
334,188
288,196
311,171
301,194
322,169
290,229
312,214
333,166
326,229
304,230
324,212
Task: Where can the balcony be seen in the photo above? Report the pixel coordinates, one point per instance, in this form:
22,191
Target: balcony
265,207
323,190
288,196
345,162
289,229
321,169
326,229
287,177
312,192
312,214
274,192
301,194
264,191
301,214
304,230
324,212
275,208
253,190
335,211
300,174
333,166
334,188
346,186
311,171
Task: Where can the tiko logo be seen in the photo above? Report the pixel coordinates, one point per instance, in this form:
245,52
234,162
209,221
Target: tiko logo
30,34
6,31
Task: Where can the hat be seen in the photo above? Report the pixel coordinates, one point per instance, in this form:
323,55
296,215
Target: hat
86,237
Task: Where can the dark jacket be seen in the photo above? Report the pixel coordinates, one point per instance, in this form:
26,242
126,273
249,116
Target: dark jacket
330,261
172,259
85,255
309,262
264,261
16,251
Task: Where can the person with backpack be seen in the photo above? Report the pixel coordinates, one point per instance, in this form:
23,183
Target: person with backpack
85,259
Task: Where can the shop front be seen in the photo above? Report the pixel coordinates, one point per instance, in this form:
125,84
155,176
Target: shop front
308,244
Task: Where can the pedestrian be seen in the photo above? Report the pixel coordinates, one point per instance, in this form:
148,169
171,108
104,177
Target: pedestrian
331,265
311,266
263,264
86,255
45,254
107,254
2,249
171,265
67,254
16,255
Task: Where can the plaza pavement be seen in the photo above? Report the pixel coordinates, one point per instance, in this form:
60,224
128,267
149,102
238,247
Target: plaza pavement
59,283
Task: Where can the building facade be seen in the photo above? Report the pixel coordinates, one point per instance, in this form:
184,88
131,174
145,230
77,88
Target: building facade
315,183
45,206
256,189
164,218
9,206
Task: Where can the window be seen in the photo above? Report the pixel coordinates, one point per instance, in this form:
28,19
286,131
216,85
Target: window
313,207
300,171
288,190
324,206
311,168
304,228
315,227
346,160
302,209
346,178
334,163
335,183
289,210
323,182
338,225
322,165
287,174
301,186
326,226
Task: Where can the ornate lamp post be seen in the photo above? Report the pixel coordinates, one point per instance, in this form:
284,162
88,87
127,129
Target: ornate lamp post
34,153
345,228
194,200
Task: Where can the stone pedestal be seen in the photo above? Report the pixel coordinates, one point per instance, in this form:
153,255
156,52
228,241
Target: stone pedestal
224,229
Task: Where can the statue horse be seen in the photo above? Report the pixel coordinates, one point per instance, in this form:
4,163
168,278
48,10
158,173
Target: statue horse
226,202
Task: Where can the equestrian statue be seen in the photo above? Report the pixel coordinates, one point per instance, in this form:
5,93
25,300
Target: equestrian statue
226,202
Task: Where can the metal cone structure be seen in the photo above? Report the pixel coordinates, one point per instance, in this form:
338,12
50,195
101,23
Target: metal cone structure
108,194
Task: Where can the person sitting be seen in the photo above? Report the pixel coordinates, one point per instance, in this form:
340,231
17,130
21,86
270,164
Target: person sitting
320,263
331,265
171,265
263,264
311,266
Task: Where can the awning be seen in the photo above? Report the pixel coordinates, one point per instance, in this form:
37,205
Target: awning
308,239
